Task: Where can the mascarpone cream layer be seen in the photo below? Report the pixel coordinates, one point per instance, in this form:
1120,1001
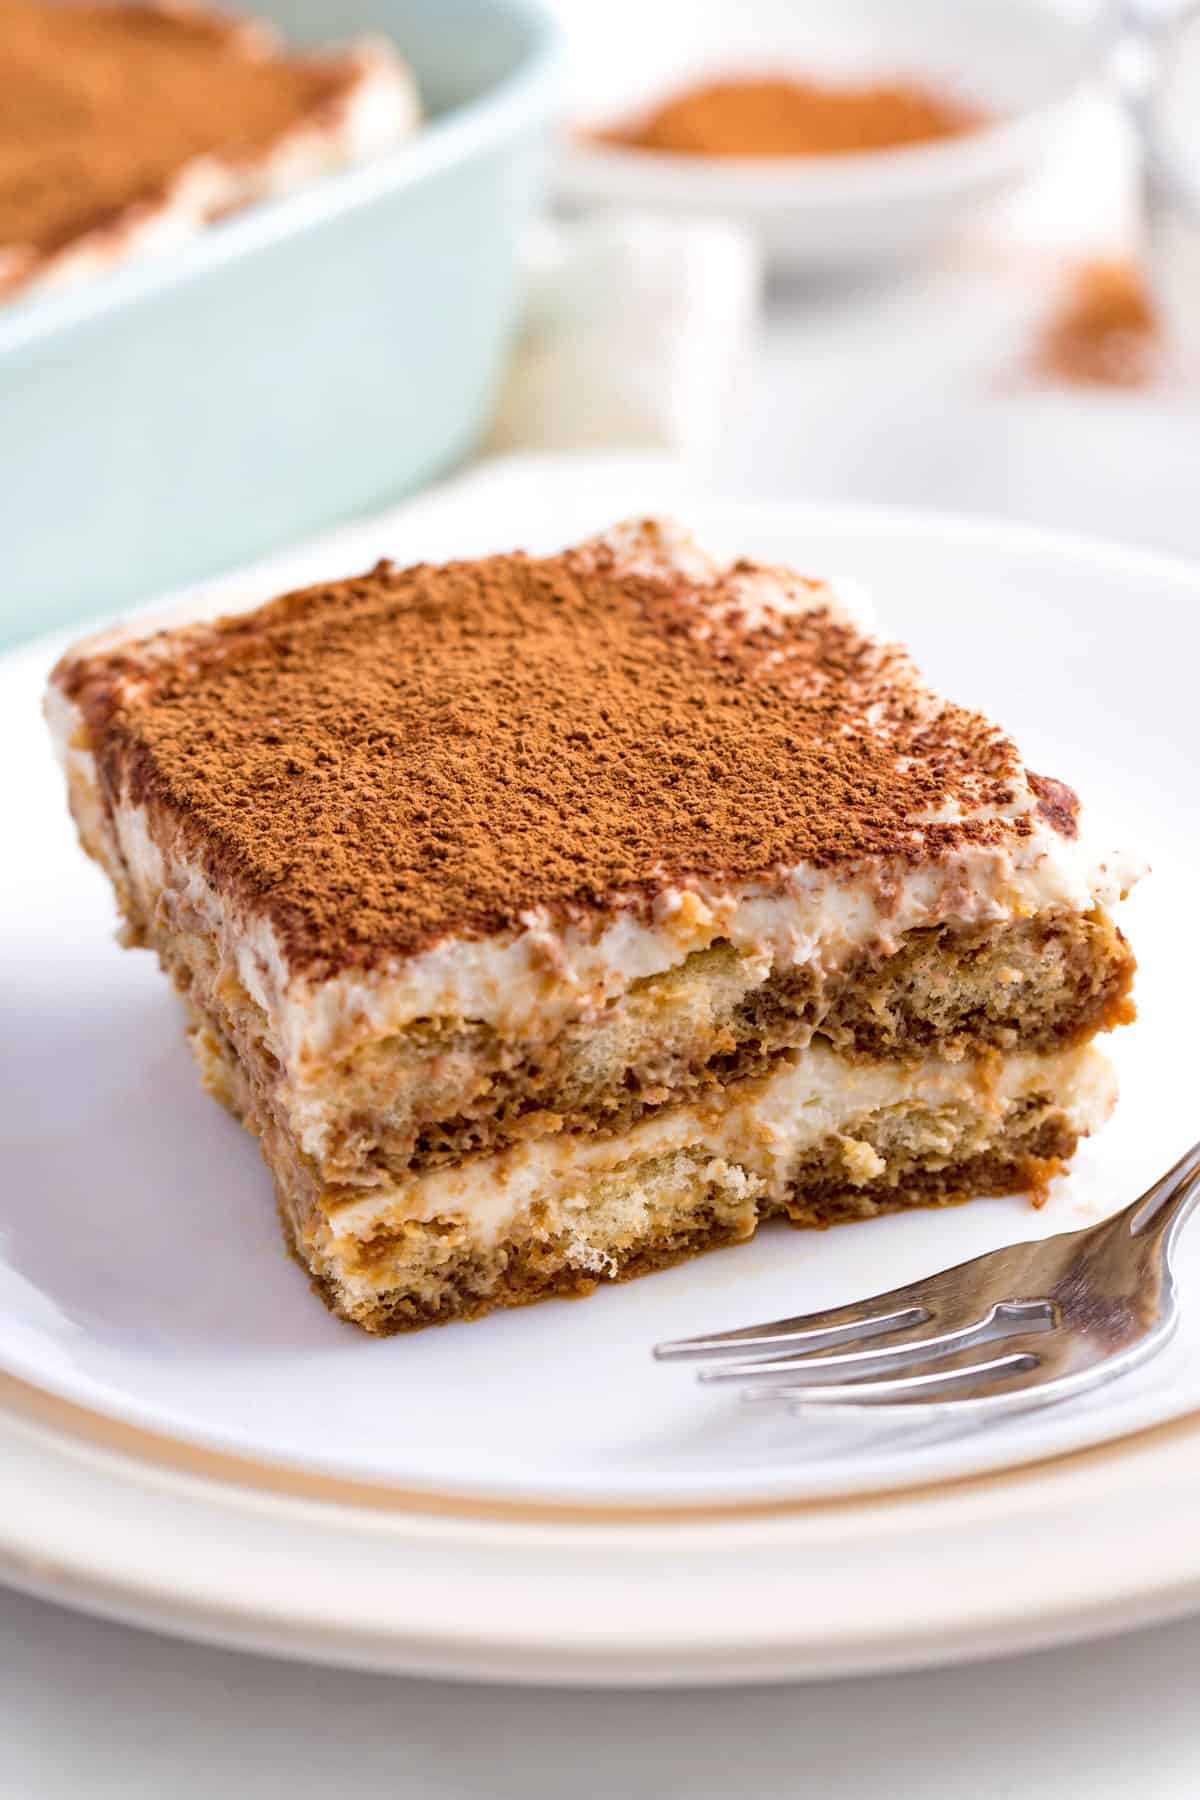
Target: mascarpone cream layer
761,1128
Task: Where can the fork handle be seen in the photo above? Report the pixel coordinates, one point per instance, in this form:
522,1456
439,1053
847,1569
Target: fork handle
1164,1207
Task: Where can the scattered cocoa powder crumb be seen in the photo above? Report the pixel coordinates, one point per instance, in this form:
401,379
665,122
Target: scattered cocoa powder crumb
1105,332
772,116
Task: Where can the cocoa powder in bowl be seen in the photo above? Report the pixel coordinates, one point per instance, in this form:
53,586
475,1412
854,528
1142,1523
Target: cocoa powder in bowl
766,116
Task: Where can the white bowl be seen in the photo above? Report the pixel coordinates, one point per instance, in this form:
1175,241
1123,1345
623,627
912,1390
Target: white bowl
1022,61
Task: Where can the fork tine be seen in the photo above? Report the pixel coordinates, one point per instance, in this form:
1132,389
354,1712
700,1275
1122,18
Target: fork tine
1032,1358
948,1296
944,1387
840,1325
890,1352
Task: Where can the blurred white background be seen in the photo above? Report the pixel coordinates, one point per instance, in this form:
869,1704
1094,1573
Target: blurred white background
912,387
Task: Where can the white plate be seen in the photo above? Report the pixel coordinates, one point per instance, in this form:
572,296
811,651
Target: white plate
141,1271
1021,60
135,1529
146,1304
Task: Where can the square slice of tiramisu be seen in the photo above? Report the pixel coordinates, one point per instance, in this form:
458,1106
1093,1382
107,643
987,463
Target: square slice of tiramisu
552,919
125,127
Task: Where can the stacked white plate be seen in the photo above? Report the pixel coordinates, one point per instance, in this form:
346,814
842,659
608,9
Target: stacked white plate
188,1439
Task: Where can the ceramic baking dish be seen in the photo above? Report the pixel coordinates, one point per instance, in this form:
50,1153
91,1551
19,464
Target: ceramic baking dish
296,363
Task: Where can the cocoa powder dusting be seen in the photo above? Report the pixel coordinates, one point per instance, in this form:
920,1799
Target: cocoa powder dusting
1105,331
380,762
101,106
773,116
1057,803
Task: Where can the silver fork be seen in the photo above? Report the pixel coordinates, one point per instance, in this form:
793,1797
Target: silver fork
1019,1327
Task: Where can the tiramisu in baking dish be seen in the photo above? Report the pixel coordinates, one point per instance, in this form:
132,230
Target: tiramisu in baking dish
552,919
125,128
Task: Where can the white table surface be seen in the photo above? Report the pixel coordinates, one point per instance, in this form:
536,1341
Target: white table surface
92,1709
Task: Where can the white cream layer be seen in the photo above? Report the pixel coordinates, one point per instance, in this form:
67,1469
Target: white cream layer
761,1130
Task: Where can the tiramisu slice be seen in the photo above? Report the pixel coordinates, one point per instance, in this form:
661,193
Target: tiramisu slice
549,920
124,128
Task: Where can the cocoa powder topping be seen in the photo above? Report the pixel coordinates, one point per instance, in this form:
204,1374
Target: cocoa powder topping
101,106
380,762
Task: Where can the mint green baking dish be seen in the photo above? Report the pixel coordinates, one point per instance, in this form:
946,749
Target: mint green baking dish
297,363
